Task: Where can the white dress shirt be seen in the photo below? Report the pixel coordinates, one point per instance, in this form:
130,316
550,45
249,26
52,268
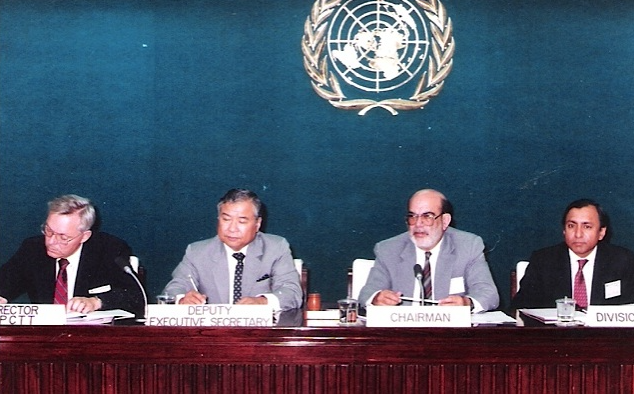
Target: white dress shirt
71,270
272,299
433,259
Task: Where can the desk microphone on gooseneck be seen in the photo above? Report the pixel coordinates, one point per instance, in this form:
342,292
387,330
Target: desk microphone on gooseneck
124,263
418,272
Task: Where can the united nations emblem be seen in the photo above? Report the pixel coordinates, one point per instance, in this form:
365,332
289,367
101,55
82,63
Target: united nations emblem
379,49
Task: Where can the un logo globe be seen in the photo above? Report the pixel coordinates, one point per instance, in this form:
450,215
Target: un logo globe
378,46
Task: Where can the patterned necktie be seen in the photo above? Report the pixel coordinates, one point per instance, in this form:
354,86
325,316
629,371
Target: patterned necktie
580,294
237,278
427,276
61,285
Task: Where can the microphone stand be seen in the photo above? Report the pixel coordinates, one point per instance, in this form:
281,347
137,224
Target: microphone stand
129,271
124,264
420,284
418,271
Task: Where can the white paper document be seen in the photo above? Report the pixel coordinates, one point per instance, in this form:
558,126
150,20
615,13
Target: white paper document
491,318
549,315
97,317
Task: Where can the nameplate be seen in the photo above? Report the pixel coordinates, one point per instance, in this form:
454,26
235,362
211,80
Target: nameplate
32,315
210,315
418,316
610,316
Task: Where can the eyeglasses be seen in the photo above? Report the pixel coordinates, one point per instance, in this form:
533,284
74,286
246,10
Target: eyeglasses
427,218
61,238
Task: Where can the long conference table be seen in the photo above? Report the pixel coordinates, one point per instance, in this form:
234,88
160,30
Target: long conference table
139,359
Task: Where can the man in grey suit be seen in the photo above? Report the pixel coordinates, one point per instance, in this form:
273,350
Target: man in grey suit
240,265
453,269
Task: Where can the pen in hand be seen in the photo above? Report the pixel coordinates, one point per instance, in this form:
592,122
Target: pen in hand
193,283
426,301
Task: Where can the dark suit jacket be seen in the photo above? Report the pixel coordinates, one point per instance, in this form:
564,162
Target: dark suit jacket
548,277
32,271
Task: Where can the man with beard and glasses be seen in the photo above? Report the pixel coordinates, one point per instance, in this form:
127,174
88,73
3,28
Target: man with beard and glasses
454,268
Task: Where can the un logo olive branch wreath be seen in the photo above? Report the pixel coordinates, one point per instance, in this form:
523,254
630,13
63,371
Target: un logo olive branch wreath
327,86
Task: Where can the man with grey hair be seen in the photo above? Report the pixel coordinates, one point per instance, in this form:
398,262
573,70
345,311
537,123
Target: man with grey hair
71,264
240,265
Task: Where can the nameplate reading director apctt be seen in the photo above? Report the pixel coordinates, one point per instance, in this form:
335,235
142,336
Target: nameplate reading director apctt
418,316
210,315
610,316
32,315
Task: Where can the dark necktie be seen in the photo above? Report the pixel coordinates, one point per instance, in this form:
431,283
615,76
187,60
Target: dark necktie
61,285
237,278
580,294
427,276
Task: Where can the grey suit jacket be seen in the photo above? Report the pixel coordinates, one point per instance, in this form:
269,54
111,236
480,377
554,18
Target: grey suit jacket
461,256
268,268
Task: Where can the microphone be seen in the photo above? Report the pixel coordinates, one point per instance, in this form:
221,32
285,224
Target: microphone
124,264
418,273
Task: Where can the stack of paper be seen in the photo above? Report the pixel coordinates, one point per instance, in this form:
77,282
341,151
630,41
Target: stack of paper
97,317
325,318
549,315
491,318
544,315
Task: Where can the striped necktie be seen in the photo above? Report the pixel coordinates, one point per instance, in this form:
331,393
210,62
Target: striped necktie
580,294
427,276
61,285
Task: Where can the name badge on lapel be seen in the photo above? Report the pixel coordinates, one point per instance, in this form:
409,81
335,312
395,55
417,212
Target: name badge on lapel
100,289
612,289
456,286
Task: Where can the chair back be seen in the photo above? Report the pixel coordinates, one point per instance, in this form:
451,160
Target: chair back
360,271
303,275
138,269
516,276
134,263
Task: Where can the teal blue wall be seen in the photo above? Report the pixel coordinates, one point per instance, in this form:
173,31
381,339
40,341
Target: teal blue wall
155,108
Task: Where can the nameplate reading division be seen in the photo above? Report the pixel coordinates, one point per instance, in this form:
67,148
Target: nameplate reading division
32,315
418,316
210,315
610,316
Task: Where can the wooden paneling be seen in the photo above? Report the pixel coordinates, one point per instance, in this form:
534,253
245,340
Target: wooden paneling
304,360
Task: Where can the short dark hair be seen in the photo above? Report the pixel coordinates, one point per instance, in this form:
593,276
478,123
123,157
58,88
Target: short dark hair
582,203
239,195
